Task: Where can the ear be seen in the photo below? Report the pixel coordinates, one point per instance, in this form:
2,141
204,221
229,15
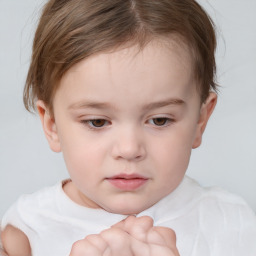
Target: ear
205,113
49,126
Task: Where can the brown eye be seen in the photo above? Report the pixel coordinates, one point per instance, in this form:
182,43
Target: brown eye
97,122
160,121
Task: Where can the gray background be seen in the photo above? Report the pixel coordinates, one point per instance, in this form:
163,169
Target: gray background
227,157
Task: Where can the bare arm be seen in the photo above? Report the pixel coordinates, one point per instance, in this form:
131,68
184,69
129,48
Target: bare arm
15,242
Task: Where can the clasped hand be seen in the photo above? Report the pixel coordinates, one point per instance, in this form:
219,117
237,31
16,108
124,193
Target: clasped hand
130,237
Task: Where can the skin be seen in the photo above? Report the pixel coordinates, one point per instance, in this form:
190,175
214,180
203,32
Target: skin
135,236
15,242
119,91
128,112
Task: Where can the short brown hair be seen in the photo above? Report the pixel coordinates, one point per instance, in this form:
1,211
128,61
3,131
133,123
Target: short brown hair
72,30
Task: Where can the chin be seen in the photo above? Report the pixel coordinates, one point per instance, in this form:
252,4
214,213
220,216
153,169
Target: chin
127,209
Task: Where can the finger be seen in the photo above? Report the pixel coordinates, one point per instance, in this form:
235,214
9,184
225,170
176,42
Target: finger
163,250
120,224
98,242
137,227
161,241
162,236
148,249
84,248
119,241
167,234
125,223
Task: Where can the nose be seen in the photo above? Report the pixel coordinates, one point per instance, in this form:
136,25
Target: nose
129,145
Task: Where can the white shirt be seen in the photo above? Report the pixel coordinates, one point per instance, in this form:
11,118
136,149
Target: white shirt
207,221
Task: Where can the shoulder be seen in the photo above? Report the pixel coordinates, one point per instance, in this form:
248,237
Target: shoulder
209,204
190,197
229,216
15,242
219,209
224,200
201,195
24,212
216,199
41,199
215,216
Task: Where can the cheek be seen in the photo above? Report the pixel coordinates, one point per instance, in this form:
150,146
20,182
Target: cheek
171,164
174,158
84,168
86,160
81,156
172,153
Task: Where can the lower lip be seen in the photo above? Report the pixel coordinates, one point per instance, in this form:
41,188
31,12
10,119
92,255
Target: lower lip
127,184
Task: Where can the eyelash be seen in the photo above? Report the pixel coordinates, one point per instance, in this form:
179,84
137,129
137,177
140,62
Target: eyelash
152,121
167,121
90,125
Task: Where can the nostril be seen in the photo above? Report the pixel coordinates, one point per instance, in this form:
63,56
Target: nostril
134,153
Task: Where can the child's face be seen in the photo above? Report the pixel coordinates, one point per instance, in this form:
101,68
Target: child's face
126,123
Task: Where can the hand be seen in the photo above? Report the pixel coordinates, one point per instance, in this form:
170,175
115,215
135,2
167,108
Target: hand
147,239
130,237
2,253
110,242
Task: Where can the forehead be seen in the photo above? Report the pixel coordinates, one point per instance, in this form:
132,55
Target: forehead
134,51
160,67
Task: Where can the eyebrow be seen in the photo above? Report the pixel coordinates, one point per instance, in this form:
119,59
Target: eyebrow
148,107
88,104
164,103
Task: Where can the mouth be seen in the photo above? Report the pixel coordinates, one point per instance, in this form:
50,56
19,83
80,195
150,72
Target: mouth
127,182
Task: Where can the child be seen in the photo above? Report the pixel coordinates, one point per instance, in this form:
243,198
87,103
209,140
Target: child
124,90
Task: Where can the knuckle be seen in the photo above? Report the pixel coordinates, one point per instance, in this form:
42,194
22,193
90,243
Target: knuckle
143,225
129,220
164,235
170,233
76,249
146,220
92,237
82,247
98,242
113,234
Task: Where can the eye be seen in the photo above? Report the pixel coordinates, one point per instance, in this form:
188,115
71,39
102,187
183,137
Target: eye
97,123
160,121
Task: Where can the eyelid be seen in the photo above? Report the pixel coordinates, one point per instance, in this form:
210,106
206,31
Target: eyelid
88,122
168,122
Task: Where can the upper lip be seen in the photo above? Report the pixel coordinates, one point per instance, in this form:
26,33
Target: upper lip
127,176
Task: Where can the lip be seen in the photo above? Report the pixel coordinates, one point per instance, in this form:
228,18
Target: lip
127,182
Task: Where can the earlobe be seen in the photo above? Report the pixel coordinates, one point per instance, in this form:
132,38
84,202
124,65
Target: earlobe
49,126
205,113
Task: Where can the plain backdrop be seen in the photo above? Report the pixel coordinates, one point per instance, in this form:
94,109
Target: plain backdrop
227,157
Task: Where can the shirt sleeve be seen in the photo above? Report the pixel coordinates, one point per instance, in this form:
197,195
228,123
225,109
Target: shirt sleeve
18,215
